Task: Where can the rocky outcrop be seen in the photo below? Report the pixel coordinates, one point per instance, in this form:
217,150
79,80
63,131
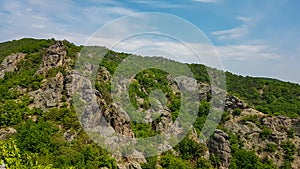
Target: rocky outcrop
219,145
9,64
233,102
50,93
55,56
249,125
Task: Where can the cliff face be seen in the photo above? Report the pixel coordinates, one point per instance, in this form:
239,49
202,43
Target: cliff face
267,136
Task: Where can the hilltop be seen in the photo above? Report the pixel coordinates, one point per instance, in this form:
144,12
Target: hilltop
39,127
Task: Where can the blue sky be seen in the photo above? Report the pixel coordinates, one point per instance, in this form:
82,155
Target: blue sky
252,37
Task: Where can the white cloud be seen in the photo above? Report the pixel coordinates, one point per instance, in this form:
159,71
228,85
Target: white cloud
248,52
45,19
234,33
179,52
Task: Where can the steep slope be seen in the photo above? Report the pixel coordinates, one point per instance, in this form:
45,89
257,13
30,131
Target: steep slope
39,127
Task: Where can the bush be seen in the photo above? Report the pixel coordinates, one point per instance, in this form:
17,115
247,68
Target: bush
202,163
35,137
237,112
291,133
189,149
289,150
243,159
170,161
271,147
265,133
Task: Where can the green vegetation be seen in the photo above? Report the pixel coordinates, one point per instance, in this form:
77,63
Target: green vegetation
267,95
237,112
245,159
190,150
26,45
265,133
289,151
170,161
40,143
271,147
40,139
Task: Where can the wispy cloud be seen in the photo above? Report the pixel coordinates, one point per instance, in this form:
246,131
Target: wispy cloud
244,19
248,52
237,32
230,34
47,19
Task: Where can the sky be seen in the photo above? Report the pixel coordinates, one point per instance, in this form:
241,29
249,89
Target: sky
252,37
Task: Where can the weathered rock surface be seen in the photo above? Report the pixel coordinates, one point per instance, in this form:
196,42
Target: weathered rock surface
55,56
219,145
249,133
232,102
50,93
9,64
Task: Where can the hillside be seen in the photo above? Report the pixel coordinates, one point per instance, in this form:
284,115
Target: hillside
39,127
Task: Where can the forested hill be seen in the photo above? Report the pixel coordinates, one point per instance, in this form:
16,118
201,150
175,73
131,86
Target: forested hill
39,128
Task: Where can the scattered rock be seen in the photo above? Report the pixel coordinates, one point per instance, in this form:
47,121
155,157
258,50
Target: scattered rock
5,133
70,134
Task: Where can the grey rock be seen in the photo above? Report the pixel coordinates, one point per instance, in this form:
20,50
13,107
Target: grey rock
50,93
9,64
219,145
233,102
54,57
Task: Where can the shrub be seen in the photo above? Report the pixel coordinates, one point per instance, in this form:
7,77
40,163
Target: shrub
203,163
291,133
271,147
265,133
170,161
237,112
289,150
189,149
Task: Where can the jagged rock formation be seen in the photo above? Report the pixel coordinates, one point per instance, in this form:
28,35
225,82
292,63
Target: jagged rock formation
9,64
219,145
55,56
50,93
